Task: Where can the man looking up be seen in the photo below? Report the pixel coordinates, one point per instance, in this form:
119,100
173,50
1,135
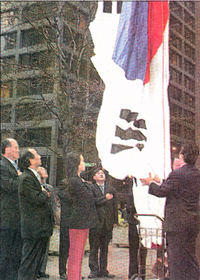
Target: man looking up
36,216
43,177
101,234
10,232
181,223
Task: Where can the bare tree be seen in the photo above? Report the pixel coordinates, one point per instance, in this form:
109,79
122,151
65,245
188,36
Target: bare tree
57,60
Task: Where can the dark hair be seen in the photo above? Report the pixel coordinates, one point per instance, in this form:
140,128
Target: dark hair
24,161
72,163
5,144
96,170
190,152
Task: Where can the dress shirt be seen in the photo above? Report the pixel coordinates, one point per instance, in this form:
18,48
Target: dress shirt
13,163
35,173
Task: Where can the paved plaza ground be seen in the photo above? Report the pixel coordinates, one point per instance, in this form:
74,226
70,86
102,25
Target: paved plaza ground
118,258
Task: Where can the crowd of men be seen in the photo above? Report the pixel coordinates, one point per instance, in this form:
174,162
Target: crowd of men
28,212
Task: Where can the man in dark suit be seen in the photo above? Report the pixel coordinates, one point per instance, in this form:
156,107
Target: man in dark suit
43,177
133,236
65,214
36,216
181,222
10,232
101,234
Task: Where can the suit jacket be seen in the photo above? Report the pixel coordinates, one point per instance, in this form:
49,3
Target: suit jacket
9,211
84,213
107,209
35,208
182,189
130,208
65,203
50,189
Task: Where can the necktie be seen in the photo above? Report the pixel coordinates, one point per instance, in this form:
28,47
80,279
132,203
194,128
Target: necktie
102,188
15,165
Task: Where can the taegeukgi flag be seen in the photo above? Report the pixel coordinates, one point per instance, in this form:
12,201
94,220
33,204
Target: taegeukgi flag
132,135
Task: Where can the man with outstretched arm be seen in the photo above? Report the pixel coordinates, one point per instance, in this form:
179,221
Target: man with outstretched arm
181,223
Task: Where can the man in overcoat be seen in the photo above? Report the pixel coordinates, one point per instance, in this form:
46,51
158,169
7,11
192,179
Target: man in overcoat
10,231
181,224
36,216
101,234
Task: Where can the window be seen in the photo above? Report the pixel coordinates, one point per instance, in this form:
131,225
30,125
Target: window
8,64
175,58
188,133
175,110
175,41
189,19
8,41
35,137
189,35
189,100
189,84
175,75
189,67
190,5
6,113
6,89
31,37
176,24
34,86
189,117
39,60
175,129
175,93
189,51
32,112
38,11
176,8
9,19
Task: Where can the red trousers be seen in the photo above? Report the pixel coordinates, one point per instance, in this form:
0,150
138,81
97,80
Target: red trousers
77,241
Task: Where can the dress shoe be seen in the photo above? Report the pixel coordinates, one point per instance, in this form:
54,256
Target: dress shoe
93,275
63,276
108,275
42,275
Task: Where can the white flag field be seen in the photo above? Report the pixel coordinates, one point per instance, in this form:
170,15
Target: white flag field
132,134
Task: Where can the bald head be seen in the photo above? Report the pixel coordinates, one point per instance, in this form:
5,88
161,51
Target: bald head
10,148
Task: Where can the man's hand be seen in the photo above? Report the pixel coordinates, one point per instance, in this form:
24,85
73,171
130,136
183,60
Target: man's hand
146,181
157,179
109,196
44,190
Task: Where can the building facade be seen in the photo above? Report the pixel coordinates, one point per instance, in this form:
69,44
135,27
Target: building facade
184,88
46,71
50,91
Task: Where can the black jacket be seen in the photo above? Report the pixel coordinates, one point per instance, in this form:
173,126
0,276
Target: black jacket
65,203
106,209
35,208
182,189
84,213
9,211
